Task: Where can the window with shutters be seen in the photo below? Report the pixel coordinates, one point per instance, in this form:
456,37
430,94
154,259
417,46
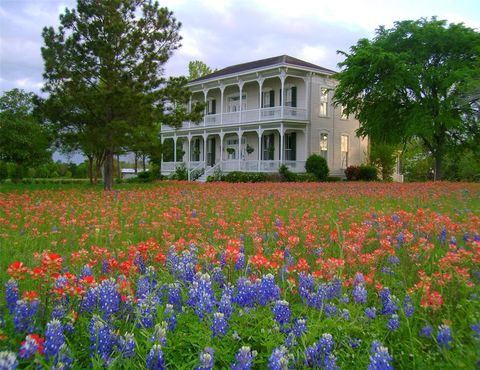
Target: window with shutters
323,111
290,146
324,145
211,106
344,151
268,98
291,96
268,147
234,103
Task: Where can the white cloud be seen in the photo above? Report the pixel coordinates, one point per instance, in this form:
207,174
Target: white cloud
314,53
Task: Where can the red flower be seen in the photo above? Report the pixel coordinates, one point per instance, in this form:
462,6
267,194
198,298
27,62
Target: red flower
17,270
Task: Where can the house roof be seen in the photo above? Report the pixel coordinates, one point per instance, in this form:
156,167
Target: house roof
262,63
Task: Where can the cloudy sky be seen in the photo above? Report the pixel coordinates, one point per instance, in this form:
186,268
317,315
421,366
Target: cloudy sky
225,32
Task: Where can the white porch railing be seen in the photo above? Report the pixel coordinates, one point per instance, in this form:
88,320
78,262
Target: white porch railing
246,116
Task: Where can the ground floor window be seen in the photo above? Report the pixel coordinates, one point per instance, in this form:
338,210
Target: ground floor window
324,145
268,147
290,146
196,150
344,150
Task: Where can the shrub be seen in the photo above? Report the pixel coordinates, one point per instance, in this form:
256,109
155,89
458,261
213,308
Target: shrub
181,173
286,174
305,177
317,165
334,179
352,173
238,176
3,171
367,173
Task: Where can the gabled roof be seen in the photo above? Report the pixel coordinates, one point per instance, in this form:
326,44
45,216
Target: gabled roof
262,63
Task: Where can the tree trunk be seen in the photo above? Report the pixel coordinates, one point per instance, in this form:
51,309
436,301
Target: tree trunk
90,168
136,163
119,169
144,163
98,170
108,171
438,166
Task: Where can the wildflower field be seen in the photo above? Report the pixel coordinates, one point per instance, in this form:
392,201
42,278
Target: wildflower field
262,276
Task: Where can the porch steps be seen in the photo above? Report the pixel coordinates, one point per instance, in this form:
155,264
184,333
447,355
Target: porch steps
202,178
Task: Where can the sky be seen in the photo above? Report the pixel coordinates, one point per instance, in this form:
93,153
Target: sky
225,32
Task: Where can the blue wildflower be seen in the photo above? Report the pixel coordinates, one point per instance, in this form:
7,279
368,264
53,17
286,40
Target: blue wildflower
393,324
408,307
225,304
64,359
109,298
394,260
279,359
267,290
359,294
126,345
140,263
354,342
380,359
28,348
245,293
159,335
102,338
201,295
219,325
54,338
319,354
155,360
426,331
476,331
11,294
170,316
389,302
146,312
207,359
174,295
24,315
8,360
345,314
244,359
282,312
444,336
344,299
86,271
299,327
90,300
240,262
371,312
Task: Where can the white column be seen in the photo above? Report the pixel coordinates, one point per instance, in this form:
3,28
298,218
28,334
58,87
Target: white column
240,86
282,81
222,89
189,138
260,84
205,93
239,147
221,148
281,143
174,150
260,133
205,151
190,104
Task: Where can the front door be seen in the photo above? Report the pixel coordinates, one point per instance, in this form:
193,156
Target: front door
211,151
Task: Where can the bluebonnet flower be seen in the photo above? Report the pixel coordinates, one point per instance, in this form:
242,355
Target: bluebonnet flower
319,354
171,317
290,340
443,235
102,338
219,325
359,293
282,312
393,324
225,304
159,335
207,359
28,347
268,290
126,345
395,218
344,299
24,315
354,342
345,314
240,262
109,298
64,359
476,331
380,359
371,312
54,338
330,310
11,294
146,312
279,359
426,331
387,270
218,276
408,307
140,263
105,267
8,360
86,271
389,304
306,285
358,279
155,360
90,300
444,336
145,285
245,293
58,312
400,239
201,295
334,288
174,295
394,260
299,327
244,359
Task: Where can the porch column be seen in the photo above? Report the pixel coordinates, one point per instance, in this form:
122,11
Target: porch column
240,133
205,93
260,133
190,104
189,138
221,148
222,89
174,150
260,84
281,143
240,86
205,136
162,140
283,76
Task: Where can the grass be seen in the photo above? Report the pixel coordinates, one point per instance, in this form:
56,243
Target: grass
340,229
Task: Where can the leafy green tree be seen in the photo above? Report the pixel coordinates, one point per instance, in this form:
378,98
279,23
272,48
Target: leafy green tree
384,156
104,67
197,69
409,82
317,165
24,139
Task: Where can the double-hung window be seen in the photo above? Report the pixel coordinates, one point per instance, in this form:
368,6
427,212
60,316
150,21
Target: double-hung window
323,111
344,151
324,145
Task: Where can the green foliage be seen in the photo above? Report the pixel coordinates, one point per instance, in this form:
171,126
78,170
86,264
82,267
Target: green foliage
238,176
24,140
197,69
384,156
3,171
334,179
181,173
367,173
317,165
410,81
286,174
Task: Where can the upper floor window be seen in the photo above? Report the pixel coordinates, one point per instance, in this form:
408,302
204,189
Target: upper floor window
323,102
344,151
324,145
342,112
268,98
291,96
234,103
211,106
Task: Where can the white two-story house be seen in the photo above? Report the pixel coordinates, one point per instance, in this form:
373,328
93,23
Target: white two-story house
262,114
